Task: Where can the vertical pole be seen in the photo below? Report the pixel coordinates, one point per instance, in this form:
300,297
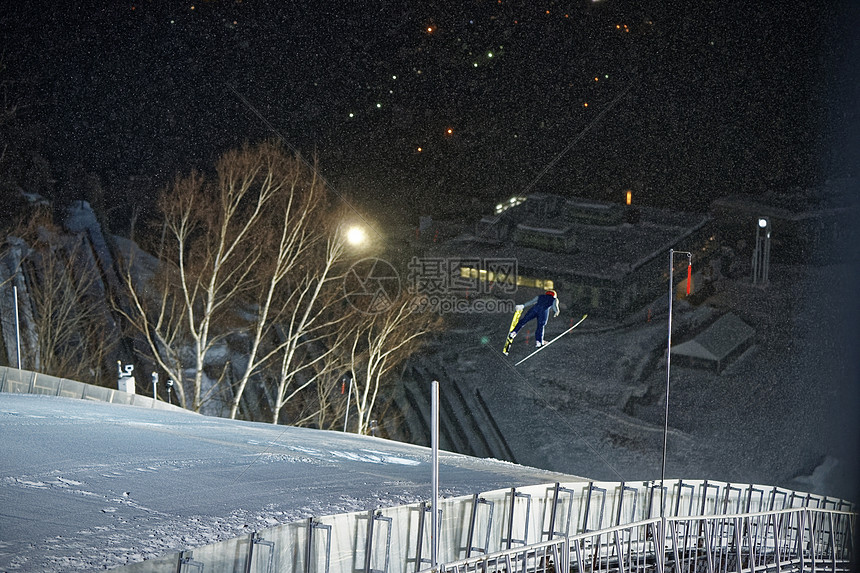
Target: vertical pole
17,328
662,536
249,559
668,367
310,545
348,396
434,439
766,262
756,261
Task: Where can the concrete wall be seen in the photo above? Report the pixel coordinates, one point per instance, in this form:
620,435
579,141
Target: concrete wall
27,382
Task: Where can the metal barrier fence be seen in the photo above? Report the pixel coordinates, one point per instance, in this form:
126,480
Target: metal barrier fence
593,527
799,539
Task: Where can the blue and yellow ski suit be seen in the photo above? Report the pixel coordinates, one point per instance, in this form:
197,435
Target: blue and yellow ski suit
540,311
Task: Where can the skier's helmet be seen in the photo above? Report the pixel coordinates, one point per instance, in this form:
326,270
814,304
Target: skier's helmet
551,293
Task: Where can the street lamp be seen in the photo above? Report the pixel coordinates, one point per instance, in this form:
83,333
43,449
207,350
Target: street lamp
356,235
761,253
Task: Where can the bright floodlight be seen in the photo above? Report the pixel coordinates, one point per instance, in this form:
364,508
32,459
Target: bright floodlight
762,222
355,235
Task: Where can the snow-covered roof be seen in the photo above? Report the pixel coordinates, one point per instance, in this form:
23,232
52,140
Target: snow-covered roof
602,251
588,204
718,340
562,230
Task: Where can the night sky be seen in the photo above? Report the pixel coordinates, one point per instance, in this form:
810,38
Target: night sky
452,105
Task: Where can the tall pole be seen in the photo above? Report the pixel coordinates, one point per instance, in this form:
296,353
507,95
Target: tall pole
668,367
668,371
17,328
434,483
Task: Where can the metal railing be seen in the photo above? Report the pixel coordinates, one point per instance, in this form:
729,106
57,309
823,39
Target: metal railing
796,539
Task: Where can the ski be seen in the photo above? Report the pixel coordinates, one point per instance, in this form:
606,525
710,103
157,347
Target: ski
509,340
538,349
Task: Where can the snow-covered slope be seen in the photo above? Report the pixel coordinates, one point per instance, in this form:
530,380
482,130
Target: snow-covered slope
87,485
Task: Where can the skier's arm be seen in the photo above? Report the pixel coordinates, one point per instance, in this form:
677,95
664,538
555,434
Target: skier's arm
555,307
525,304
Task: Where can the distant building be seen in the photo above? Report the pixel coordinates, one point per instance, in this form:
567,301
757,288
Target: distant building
808,226
603,258
717,346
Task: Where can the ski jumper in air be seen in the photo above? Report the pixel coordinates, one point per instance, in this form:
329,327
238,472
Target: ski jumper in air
540,311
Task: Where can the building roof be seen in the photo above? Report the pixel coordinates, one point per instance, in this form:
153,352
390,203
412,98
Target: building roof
600,251
718,340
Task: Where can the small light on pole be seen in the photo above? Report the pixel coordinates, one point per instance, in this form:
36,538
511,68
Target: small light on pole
761,253
169,388
154,385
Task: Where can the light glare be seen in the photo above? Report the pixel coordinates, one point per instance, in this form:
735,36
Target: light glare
355,235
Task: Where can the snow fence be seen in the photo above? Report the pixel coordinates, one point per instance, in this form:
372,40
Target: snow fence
397,539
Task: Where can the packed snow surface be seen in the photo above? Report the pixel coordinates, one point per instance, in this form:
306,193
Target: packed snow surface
89,485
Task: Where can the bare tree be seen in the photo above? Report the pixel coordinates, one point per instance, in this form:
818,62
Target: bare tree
381,341
208,252
69,315
155,311
260,253
251,253
314,293
330,400
294,226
